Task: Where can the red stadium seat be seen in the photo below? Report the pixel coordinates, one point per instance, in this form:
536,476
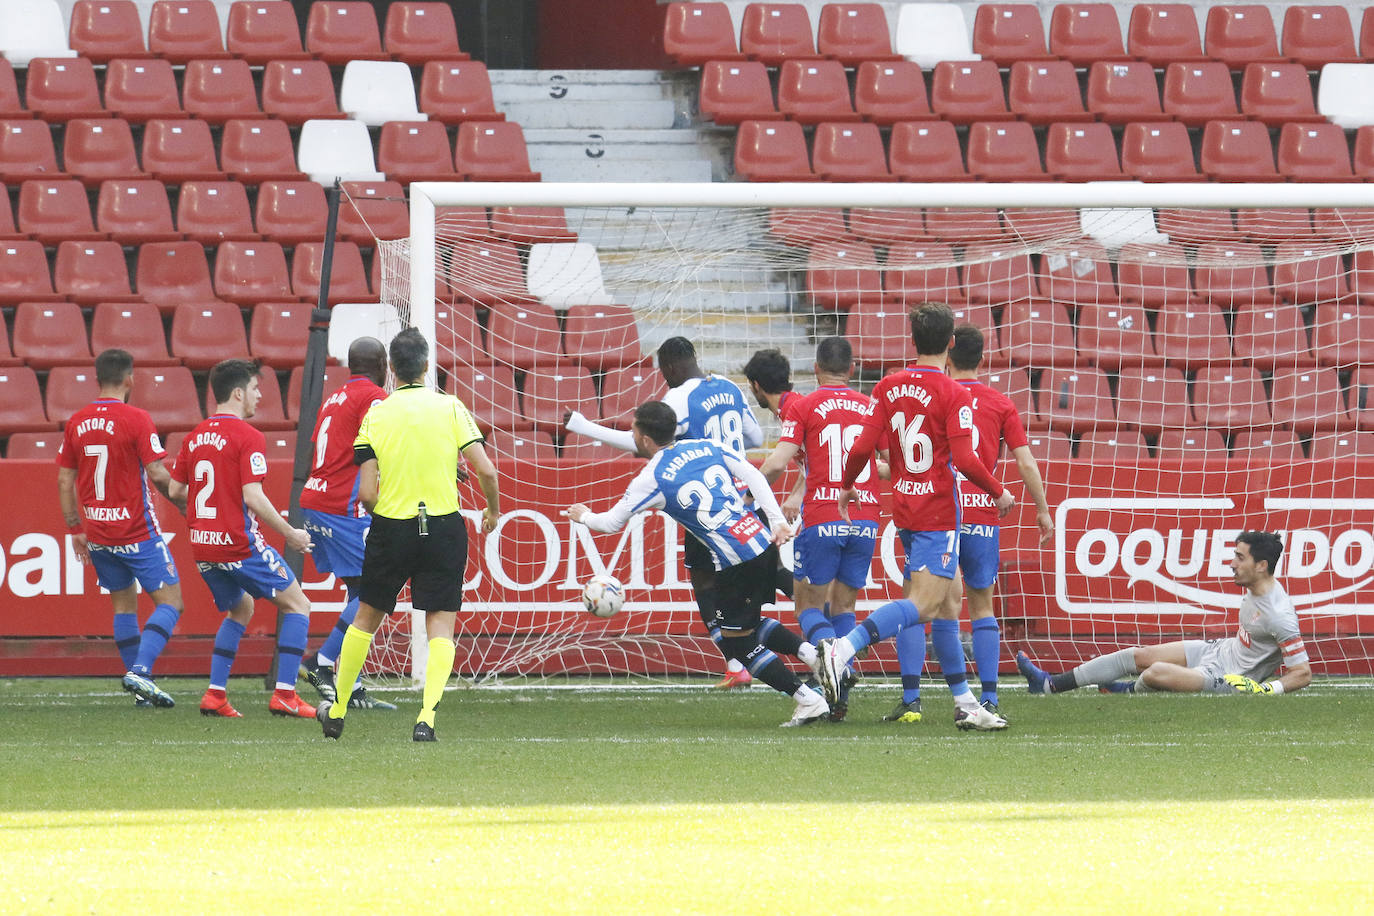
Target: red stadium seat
1158,152
33,447
175,151
490,394
736,91
1329,447
248,272
774,32
1074,401
1199,92
11,105
48,334
27,152
922,271
1191,443
55,211
8,230
1240,34
1041,224
277,333
335,377
456,91
297,91
965,225
1314,152
24,275
90,272
883,225
601,337
1083,33
21,406
811,91
263,30
839,275
772,151
1361,404
487,271
965,91
1045,91
886,92
61,88
1308,400
1120,447
1361,275
550,391
291,212
1163,33
256,151
492,151
980,316
1277,94
418,32
69,389
1270,337
1305,275
98,149
1009,32
138,90
172,272
1197,225
926,151
805,226
529,446
134,212
169,394
1230,398
415,151
205,333
1038,334
531,225
458,336
849,152
211,212
694,33
1268,446
880,335
1050,447
373,209
1192,336
1152,399
280,442
1317,35
1343,335
622,390
347,276
1082,152
1124,91
995,275
105,29
219,91
132,326
181,31
1232,274
853,33
1004,151
1114,335
337,31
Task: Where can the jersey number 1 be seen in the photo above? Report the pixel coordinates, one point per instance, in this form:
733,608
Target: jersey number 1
839,441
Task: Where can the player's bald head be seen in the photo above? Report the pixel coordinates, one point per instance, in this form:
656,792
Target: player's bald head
367,356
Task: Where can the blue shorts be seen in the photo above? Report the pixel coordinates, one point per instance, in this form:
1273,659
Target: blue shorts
339,541
261,574
935,552
978,554
835,550
117,566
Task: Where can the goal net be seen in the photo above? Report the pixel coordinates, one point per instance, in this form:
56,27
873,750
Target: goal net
1189,361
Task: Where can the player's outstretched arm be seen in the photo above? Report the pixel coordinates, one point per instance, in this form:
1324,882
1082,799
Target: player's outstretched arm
71,512
641,495
258,503
480,462
157,473
623,439
778,460
1295,678
1035,486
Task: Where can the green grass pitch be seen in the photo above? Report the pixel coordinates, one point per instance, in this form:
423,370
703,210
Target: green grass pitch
550,800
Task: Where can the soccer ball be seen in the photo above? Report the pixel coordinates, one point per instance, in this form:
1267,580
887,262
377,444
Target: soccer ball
603,596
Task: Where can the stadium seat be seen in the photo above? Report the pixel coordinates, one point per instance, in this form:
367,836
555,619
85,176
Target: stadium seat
880,336
1082,152
736,91
994,357
335,377
1118,447
175,151
881,225
1040,224
134,212
203,333
48,334
97,149
1122,92
492,151
1050,447
622,390
417,32
347,276
965,225
169,394
249,272
1037,334
90,272
1238,35
1191,443
601,337
1328,447
563,274
926,151
839,275
1318,35
804,226
24,275
1004,151
340,31
550,391
291,212
33,29
853,33
849,152
1117,226
1361,403
410,151
1115,335
181,31
1158,152
132,326
490,394
8,230
102,30
1268,446
694,33
69,389
775,32
11,103
1199,92
1005,33
458,335
219,91
487,272
1164,33
27,152
259,31
277,333
923,271
966,91
280,444
531,225
1195,225
21,405
1192,336
1083,33
528,446
886,92
139,90
1271,337
1219,281
1307,276
257,151
1343,97
929,33
1277,94
1314,152
995,275
33,447
772,151
1230,398
297,91
55,211
1151,399
350,320
376,92
1042,92
811,91
336,149
457,91
1308,400
373,209
58,89
173,272
211,212
1343,334
1074,401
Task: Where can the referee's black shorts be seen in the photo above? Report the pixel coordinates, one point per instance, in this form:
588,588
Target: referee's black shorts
742,590
434,564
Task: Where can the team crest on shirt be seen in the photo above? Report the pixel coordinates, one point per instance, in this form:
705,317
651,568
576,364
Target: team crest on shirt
944,559
281,571
258,462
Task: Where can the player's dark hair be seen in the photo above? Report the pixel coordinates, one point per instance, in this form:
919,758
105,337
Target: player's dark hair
409,355
1264,545
967,351
932,325
834,355
770,370
675,351
657,420
231,374
112,367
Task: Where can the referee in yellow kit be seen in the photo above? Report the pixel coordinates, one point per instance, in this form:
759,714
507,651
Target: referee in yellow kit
408,448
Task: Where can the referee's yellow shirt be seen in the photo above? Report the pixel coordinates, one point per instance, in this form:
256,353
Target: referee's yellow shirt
416,435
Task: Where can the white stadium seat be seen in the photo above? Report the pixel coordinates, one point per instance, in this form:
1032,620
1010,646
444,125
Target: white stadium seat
336,149
928,33
33,28
376,91
1345,94
350,320
566,273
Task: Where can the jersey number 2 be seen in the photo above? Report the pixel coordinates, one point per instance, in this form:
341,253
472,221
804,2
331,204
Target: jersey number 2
205,476
702,495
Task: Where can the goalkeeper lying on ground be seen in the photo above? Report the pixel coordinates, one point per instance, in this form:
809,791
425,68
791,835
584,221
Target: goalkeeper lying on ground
1267,637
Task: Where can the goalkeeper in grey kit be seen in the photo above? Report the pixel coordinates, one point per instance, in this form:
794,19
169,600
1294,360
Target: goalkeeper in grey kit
1267,637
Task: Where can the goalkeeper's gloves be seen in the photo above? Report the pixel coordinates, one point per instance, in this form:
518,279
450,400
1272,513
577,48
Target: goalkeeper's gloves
1242,684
